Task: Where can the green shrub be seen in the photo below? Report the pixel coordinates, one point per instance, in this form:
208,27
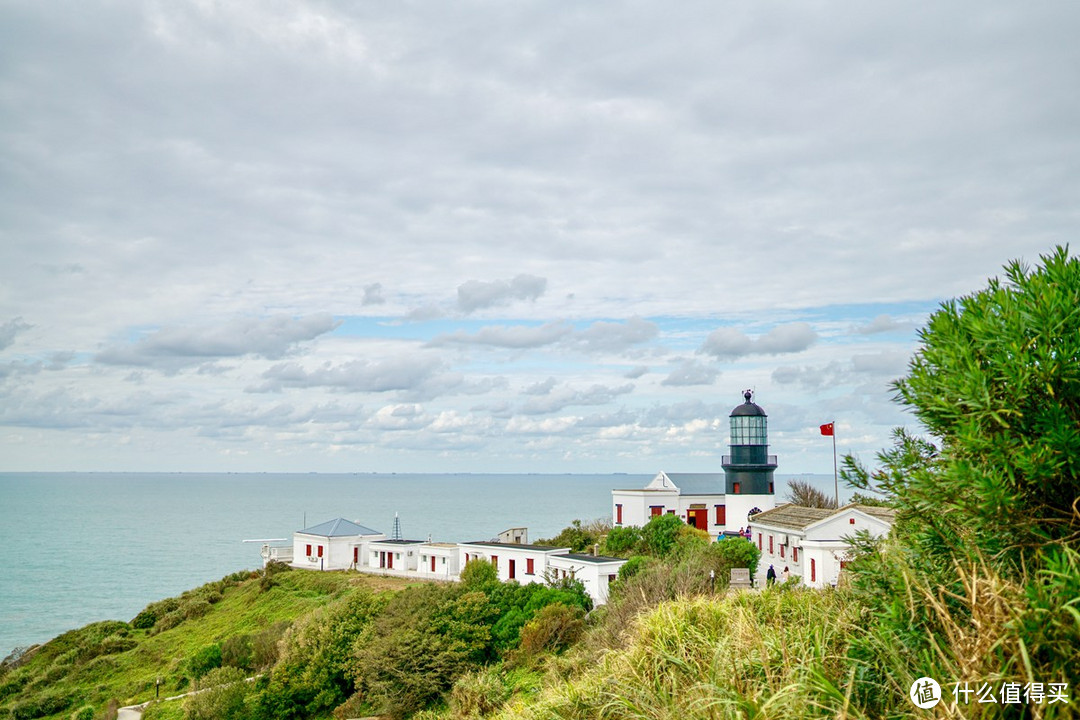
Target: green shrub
86,712
264,645
633,566
204,660
554,628
223,696
46,703
578,536
236,651
622,541
195,608
478,694
660,534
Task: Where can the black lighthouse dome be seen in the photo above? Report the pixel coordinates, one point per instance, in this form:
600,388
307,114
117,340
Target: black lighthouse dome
749,407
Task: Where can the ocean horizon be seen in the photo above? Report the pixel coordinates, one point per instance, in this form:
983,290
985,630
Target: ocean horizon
89,546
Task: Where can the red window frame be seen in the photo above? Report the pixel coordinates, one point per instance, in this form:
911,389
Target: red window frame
618,514
781,552
813,570
759,542
770,545
736,488
529,566
495,562
511,568
320,550
656,510
721,514
795,554
308,553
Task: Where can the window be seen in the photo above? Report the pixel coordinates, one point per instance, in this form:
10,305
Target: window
813,570
528,566
781,551
795,554
512,569
851,521
355,555
495,562
308,553
656,510
670,512
759,541
736,488
611,578
770,545
721,515
320,551
770,488
618,514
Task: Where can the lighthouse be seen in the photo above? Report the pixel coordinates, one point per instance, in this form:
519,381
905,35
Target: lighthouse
749,468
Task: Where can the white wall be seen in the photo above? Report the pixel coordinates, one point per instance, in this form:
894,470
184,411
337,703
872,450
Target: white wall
594,576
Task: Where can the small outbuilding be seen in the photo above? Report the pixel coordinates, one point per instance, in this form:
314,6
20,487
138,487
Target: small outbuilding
333,545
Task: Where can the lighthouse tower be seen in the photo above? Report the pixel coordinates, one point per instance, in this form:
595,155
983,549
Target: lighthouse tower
748,470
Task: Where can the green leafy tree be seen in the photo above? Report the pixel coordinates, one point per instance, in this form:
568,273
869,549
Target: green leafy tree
660,534
985,546
622,541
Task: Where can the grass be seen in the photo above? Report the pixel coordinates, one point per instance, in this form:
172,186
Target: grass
112,661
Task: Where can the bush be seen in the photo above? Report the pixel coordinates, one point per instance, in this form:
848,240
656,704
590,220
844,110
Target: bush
264,645
204,660
222,698
659,535
555,628
632,567
622,541
478,693
86,712
236,652
578,537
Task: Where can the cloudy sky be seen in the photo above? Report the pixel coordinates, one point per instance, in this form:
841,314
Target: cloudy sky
503,236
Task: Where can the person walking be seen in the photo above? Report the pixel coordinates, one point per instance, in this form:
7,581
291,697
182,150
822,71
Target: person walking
770,576
785,576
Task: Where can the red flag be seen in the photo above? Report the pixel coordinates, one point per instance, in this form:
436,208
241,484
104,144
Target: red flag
827,429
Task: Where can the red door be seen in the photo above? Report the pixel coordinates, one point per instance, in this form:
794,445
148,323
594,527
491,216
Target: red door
389,561
356,556
513,569
432,563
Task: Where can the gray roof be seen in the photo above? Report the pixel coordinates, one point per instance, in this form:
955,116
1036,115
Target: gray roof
339,528
515,546
799,518
699,483
591,558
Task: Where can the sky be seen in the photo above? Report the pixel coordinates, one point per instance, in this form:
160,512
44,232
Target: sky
503,236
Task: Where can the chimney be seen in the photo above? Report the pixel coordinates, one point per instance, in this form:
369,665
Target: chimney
596,549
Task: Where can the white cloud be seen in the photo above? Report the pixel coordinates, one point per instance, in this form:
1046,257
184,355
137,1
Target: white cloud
518,337
475,294
176,347
691,372
373,295
727,343
9,330
884,324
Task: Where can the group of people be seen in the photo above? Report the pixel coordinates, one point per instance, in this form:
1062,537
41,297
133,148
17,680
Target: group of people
770,576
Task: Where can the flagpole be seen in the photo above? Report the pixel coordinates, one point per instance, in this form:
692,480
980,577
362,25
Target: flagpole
835,474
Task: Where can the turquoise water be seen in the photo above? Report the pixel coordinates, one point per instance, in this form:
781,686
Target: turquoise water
81,547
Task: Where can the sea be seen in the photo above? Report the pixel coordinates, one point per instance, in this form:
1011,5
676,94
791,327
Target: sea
81,547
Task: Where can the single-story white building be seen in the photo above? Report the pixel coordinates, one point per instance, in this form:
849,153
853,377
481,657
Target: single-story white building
812,543
395,556
438,561
512,561
333,545
596,572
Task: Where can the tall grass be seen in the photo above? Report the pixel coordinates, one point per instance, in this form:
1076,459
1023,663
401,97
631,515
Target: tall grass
774,654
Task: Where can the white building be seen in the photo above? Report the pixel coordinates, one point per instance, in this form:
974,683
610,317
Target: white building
439,561
714,502
398,557
596,572
813,542
333,545
512,561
